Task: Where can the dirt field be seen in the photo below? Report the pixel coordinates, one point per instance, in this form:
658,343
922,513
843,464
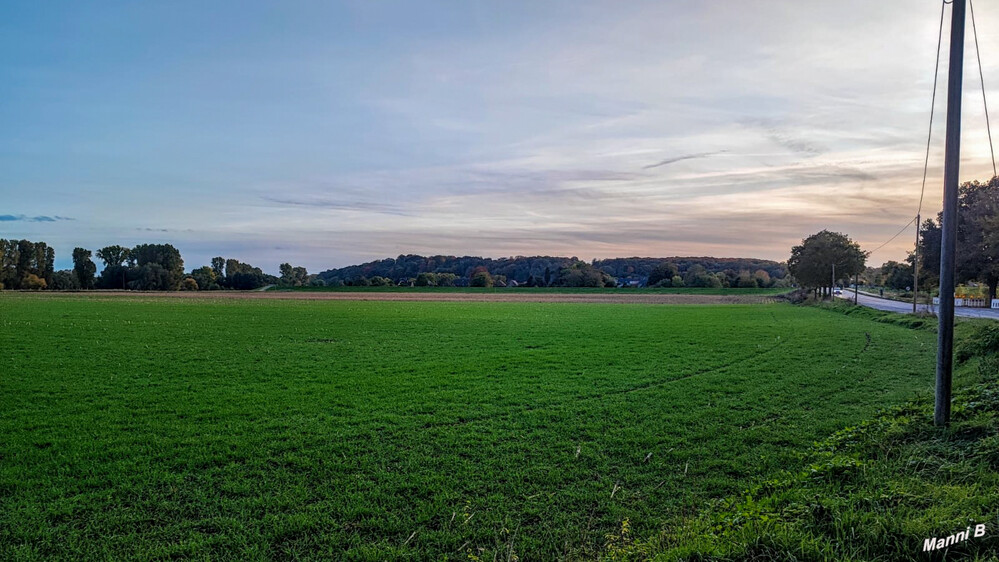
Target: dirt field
637,298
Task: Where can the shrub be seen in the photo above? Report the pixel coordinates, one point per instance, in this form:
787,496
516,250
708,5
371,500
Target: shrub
481,279
33,282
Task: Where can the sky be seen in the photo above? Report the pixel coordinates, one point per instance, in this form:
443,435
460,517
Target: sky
331,133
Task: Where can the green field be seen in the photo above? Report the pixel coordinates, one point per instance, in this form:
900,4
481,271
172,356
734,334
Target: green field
254,429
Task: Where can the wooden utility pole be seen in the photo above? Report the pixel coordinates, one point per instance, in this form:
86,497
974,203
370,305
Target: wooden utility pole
856,288
948,240
915,269
832,288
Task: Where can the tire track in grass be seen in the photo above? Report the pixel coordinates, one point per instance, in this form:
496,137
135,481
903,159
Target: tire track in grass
636,388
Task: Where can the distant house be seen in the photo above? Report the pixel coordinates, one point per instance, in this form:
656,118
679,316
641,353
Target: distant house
630,283
512,283
404,282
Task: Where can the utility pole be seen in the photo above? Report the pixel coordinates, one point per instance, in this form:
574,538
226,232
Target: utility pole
915,269
832,288
856,288
948,240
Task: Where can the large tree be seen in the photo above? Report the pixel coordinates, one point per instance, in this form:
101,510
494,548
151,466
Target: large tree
114,255
149,257
896,275
293,276
84,268
977,256
116,264
813,261
218,267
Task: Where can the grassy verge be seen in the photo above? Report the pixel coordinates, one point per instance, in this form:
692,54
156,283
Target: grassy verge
875,491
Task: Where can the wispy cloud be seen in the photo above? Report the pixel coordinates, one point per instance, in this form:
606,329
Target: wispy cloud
38,218
675,159
339,205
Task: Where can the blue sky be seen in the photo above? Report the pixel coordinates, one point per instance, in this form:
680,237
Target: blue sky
331,133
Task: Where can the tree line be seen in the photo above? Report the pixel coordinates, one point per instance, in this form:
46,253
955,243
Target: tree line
556,271
29,265
159,267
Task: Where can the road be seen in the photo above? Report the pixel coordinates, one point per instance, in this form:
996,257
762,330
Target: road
906,307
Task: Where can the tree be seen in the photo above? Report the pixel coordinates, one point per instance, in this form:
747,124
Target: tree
205,277
697,276
895,275
64,280
8,263
812,261
446,279
664,271
481,278
977,256
117,260
114,255
762,278
977,244
84,268
293,276
582,274
22,258
49,260
164,256
188,284
218,267
745,280
243,276
25,260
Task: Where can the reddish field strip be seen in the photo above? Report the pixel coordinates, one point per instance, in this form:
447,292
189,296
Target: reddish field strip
637,298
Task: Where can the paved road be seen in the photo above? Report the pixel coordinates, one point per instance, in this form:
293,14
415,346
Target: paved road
906,307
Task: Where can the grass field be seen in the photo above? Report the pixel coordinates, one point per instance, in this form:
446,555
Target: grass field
253,429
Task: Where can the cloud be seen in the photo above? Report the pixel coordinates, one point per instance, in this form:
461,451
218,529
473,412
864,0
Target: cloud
669,161
340,205
39,218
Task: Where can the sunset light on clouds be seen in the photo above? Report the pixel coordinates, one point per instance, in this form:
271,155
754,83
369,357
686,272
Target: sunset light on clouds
334,133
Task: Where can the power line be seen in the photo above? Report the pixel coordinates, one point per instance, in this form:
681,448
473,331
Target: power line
897,234
933,104
929,134
981,76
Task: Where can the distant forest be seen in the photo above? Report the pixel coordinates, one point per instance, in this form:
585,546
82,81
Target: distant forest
554,271
28,265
